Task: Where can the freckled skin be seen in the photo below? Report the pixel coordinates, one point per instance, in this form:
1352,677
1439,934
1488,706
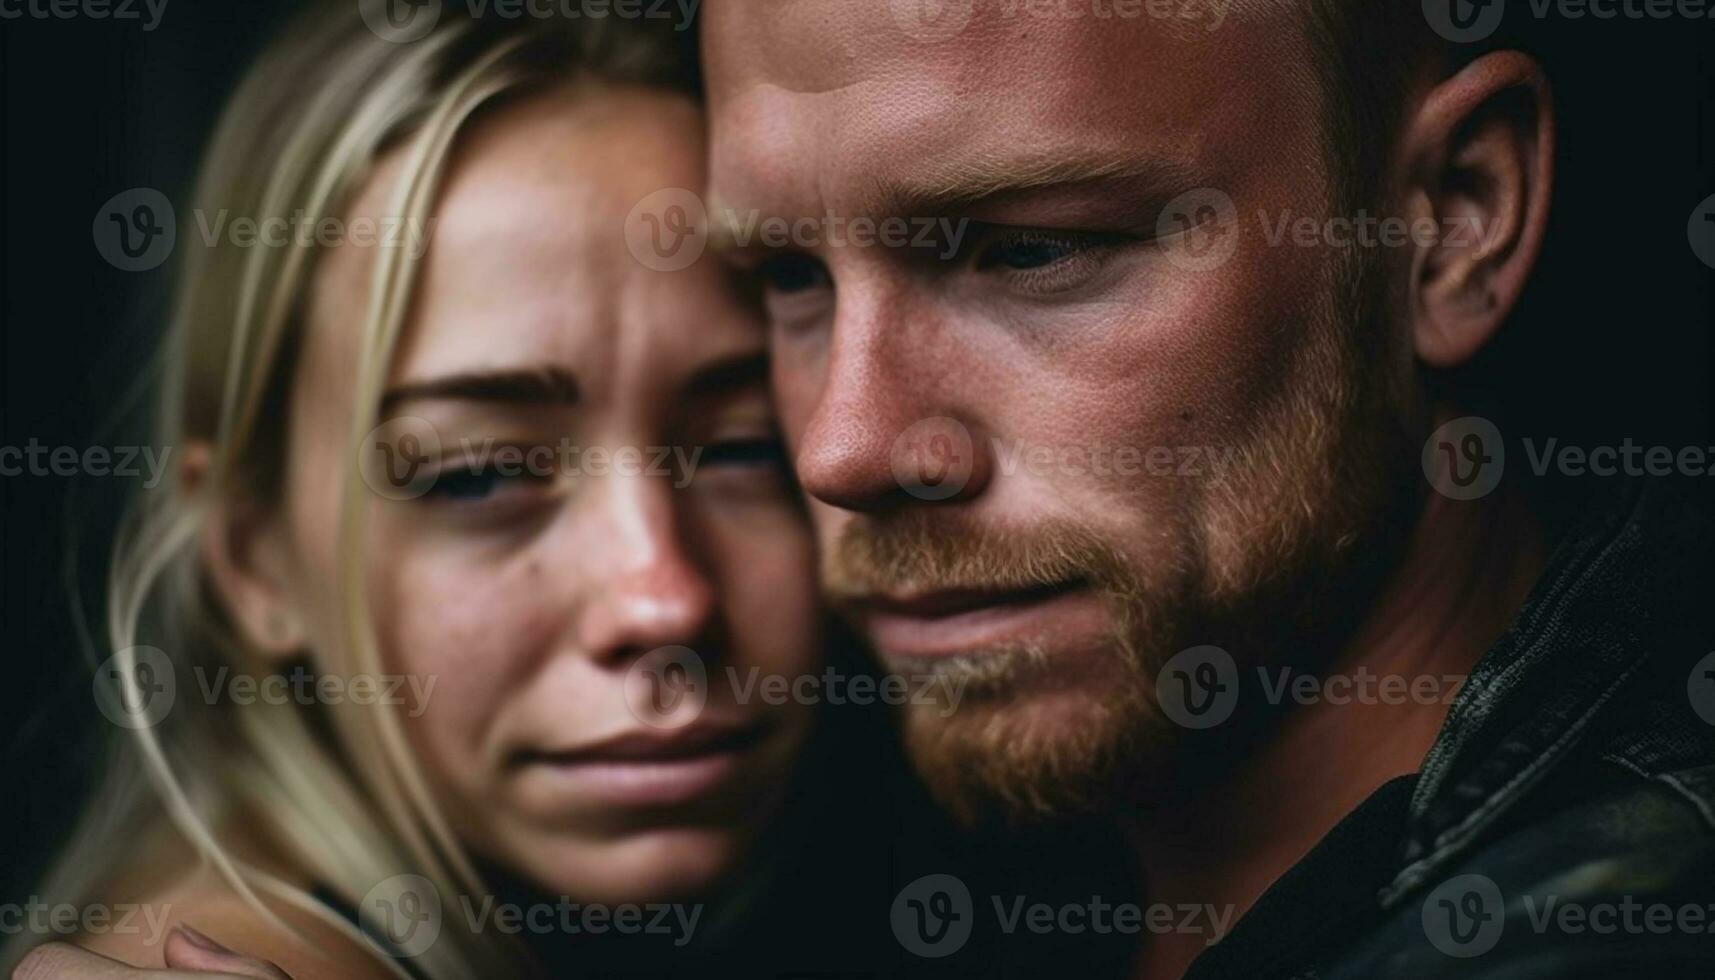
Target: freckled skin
823,106
529,621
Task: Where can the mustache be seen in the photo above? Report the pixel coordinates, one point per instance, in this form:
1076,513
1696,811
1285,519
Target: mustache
921,551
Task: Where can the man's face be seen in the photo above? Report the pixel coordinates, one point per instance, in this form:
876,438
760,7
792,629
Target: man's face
1052,448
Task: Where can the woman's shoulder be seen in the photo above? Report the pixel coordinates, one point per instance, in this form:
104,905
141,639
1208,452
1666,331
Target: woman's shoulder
262,926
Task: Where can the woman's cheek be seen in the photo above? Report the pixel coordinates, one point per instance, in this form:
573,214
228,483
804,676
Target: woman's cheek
769,578
444,623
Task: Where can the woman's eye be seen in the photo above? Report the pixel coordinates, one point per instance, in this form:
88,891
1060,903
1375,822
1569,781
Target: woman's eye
459,484
793,272
476,484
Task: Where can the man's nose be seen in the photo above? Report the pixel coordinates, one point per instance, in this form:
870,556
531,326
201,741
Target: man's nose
891,424
649,589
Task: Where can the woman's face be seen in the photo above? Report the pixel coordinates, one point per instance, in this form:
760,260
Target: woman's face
529,586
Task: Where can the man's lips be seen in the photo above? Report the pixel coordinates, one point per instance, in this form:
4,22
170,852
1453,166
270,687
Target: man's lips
638,768
950,622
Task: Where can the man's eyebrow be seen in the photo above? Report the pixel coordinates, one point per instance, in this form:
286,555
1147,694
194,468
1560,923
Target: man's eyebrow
538,386
945,188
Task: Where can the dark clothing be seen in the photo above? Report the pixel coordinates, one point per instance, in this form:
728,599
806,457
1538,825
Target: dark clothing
1563,825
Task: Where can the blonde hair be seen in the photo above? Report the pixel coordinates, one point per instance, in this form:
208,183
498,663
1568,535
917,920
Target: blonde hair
301,137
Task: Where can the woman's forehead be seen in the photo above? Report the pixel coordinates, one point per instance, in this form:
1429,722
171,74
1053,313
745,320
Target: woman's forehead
524,263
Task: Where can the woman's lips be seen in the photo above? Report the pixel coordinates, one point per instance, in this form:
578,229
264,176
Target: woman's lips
965,621
638,769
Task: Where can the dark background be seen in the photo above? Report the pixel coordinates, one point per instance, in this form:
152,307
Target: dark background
1614,339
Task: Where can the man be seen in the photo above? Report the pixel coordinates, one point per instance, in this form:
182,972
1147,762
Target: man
1144,466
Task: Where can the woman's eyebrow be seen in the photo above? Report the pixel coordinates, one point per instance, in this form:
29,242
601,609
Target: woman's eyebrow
535,386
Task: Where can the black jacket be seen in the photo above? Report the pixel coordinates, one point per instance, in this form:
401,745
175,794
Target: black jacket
1563,825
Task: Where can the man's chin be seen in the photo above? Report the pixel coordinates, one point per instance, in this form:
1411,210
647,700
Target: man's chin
1023,746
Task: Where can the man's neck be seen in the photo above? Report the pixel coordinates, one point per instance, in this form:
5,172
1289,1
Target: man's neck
1462,576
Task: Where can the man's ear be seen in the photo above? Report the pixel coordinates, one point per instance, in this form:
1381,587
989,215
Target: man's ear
243,550
1479,158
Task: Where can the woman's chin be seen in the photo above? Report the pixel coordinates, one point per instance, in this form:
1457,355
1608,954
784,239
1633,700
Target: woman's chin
657,865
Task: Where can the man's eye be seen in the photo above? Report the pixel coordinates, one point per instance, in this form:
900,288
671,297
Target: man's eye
745,452
793,272
1046,263
1032,250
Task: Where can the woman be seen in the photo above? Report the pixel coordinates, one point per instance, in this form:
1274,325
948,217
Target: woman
387,473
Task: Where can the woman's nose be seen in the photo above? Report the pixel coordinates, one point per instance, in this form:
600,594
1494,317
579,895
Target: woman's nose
648,589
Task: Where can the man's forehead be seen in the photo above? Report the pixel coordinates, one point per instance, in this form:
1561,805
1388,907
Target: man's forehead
808,94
